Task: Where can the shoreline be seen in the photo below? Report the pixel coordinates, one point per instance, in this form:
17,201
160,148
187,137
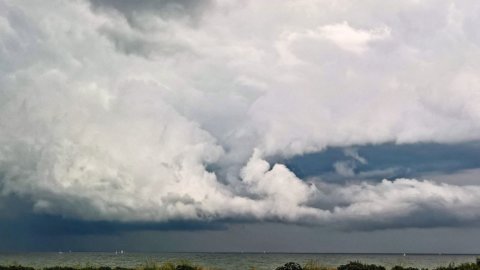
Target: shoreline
310,265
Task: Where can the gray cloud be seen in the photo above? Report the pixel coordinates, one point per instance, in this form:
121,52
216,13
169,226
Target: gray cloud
135,11
401,203
143,27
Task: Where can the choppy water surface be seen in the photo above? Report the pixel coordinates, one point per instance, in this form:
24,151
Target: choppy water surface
227,261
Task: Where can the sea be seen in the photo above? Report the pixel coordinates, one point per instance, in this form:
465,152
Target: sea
226,261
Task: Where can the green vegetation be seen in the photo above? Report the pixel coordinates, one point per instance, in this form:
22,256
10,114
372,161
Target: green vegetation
310,265
360,266
406,268
182,265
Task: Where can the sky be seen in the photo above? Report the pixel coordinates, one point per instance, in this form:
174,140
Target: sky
240,125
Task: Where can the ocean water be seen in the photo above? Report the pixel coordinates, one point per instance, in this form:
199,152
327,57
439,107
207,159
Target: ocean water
227,261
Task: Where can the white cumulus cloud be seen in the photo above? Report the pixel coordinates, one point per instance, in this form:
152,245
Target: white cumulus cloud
351,39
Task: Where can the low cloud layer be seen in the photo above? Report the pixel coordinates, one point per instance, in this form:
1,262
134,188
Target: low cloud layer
170,111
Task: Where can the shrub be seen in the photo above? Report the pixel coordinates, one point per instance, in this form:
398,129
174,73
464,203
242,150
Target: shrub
185,267
290,266
15,267
60,268
360,266
406,268
463,266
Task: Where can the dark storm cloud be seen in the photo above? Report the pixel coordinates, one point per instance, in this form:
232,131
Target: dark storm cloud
56,225
426,217
19,219
389,161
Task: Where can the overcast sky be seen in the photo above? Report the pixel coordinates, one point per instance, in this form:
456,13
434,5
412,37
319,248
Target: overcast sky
306,125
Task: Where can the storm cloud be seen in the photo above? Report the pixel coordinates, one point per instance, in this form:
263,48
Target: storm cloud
173,111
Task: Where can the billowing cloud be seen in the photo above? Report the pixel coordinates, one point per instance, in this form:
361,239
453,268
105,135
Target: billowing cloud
170,110
403,202
351,39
